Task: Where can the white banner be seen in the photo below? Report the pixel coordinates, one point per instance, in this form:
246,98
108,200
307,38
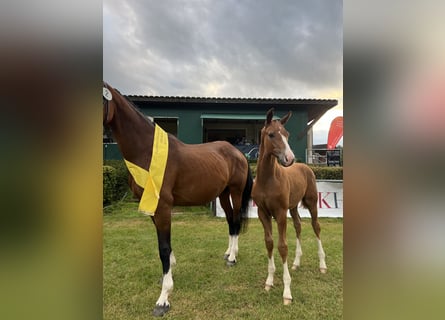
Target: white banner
330,202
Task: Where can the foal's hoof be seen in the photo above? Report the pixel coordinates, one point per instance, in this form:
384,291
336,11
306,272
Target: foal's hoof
226,256
286,301
323,270
230,263
159,311
294,267
267,287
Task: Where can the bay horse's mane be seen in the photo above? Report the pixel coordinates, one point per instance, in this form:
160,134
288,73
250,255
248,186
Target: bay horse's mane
131,104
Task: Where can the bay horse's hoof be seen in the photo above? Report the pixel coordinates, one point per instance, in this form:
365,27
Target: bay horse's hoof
323,270
294,267
226,256
230,263
159,311
286,301
268,287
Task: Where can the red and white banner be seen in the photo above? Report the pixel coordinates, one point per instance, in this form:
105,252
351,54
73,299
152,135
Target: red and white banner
330,202
335,132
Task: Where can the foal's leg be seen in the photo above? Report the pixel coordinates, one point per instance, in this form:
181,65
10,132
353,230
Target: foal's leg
232,250
283,249
297,225
162,222
311,204
266,220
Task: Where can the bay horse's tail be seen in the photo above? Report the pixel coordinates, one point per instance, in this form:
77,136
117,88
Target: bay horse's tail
245,200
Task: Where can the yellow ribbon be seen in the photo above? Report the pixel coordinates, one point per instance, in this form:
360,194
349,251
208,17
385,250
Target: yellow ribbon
151,180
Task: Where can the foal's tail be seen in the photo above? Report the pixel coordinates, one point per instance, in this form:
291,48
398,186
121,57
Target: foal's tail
245,200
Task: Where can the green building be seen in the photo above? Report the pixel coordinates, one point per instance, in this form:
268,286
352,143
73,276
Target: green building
237,120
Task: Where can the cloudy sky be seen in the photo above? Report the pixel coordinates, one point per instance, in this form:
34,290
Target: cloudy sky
230,48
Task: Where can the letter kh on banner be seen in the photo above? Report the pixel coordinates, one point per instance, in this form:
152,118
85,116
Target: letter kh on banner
330,202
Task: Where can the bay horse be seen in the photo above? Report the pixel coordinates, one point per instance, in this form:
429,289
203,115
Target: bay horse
194,175
280,185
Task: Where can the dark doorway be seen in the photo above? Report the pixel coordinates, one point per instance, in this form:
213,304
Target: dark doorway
233,136
170,125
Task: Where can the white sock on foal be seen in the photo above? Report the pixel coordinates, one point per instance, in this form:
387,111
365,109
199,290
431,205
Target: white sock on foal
298,254
321,256
271,272
287,295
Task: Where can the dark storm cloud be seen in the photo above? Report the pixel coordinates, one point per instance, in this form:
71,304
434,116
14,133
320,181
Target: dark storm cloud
223,48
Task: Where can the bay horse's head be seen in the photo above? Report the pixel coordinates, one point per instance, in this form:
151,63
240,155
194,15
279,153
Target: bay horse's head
274,139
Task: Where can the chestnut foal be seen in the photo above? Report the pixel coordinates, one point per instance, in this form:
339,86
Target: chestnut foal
278,188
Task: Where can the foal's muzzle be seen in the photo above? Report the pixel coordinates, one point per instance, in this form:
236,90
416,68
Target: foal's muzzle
286,159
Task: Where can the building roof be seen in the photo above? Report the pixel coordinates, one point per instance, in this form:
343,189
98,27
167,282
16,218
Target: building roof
227,99
314,107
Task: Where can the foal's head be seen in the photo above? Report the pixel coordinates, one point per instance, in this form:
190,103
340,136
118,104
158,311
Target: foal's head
274,139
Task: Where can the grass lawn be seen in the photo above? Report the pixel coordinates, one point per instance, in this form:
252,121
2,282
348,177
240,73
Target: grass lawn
204,287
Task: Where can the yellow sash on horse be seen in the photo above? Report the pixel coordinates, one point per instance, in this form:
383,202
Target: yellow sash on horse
151,180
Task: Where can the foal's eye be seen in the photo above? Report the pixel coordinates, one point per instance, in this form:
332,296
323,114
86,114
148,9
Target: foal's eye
271,135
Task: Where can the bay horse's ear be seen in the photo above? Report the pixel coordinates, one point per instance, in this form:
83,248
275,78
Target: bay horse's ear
269,116
285,118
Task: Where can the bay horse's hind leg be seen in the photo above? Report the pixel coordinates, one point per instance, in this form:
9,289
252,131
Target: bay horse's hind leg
232,250
297,225
311,204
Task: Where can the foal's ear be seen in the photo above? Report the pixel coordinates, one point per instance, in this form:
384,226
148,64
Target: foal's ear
269,116
285,118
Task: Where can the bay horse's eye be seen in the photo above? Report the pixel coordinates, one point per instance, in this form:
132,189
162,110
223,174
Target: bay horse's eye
271,135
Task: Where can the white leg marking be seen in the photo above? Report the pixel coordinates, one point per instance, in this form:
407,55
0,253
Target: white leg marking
235,244
271,272
286,280
167,288
233,249
172,259
298,254
227,253
321,256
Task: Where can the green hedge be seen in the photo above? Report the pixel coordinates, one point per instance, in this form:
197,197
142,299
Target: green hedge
120,180
109,184
115,178
328,173
321,173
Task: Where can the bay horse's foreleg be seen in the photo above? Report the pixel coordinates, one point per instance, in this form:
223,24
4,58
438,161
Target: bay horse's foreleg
311,204
163,229
297,225
281,219
234,228
266,220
